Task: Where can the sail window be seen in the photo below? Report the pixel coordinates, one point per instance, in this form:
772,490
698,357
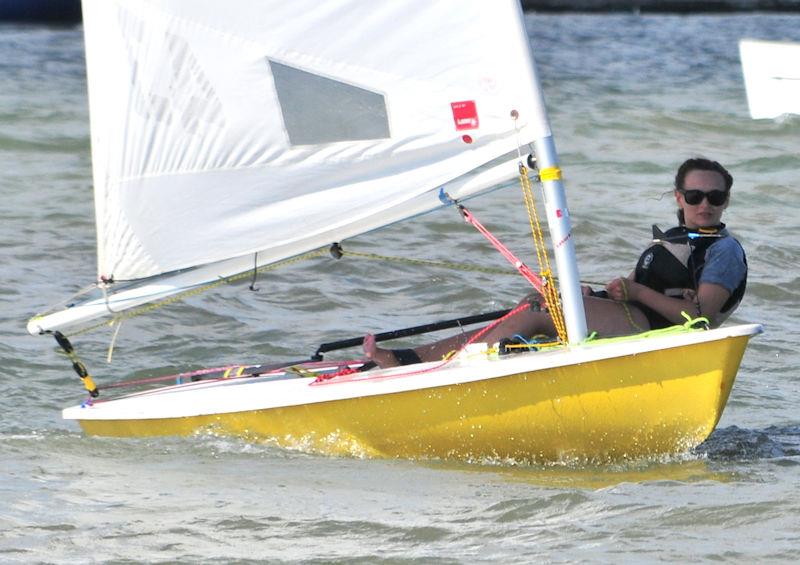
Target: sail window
318,109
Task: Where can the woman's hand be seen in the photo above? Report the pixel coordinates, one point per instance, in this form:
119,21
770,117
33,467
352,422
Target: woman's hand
534,300
622,289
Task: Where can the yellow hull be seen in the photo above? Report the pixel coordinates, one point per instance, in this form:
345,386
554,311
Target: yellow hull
651,402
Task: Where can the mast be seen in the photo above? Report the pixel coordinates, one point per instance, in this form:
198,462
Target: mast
561,234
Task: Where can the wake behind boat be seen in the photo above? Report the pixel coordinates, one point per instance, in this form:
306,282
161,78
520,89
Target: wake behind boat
225,143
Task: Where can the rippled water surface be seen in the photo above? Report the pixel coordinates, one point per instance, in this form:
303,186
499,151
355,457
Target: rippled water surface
630,97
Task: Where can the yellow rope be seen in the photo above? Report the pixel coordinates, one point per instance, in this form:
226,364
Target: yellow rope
628,310
550,292
447,265
691,325
300,371
431,263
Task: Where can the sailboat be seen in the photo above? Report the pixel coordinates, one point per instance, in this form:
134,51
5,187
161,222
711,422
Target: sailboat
227,141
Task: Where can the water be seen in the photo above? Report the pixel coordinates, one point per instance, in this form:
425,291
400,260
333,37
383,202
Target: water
630,98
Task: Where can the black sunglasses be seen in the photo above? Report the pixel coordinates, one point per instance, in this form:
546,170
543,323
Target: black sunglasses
695,197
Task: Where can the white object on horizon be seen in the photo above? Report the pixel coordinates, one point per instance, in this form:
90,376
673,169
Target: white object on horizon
771,71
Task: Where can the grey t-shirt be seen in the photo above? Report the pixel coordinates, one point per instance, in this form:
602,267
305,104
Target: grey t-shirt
724,264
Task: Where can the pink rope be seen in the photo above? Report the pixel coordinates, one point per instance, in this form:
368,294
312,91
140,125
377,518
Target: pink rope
523,269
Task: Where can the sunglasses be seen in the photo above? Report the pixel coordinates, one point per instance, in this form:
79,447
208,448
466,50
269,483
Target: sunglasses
695,197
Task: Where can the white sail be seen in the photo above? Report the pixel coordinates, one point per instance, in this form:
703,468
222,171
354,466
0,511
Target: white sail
222,130
771,71
275,127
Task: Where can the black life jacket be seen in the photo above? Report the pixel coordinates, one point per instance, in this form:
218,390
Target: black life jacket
675,261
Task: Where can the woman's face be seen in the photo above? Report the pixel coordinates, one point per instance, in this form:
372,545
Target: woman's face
702,214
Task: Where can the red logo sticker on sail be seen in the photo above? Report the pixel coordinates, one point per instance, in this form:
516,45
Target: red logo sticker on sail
465,114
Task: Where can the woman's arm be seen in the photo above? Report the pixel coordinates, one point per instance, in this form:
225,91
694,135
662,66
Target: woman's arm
724,269
708,300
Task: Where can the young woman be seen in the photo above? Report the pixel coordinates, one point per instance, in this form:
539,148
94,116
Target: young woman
696,267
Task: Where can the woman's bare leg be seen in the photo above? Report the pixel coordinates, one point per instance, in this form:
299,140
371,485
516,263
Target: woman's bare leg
428,352
610,318
383,357
606,317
